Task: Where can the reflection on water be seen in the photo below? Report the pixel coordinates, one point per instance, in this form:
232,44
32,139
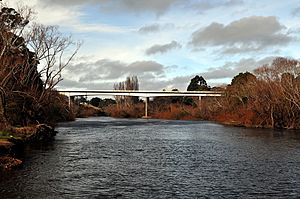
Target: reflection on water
121,158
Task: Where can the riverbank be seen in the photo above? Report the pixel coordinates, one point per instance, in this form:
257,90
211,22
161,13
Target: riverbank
206,111
13,142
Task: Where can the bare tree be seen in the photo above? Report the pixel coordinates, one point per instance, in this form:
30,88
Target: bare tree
131,84
278,85
53,51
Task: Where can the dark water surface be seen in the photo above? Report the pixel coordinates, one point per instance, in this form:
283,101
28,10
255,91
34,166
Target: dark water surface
120,158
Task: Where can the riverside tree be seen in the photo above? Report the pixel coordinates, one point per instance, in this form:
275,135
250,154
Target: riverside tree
24,90
198,83
53,51
15,58
130,84
268,98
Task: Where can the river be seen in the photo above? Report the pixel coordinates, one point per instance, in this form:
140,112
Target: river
103,157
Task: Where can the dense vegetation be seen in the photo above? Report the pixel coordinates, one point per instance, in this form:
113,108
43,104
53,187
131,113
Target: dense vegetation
27,95
268,98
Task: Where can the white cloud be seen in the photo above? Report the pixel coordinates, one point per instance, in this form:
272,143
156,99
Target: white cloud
102,28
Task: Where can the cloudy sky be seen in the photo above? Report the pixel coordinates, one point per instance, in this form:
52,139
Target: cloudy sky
167,42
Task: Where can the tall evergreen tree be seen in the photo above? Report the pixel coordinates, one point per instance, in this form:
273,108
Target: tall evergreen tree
198,83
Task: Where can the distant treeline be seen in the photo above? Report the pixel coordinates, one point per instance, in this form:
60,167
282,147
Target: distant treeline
269,98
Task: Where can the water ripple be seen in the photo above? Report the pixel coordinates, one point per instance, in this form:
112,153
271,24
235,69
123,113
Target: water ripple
121,158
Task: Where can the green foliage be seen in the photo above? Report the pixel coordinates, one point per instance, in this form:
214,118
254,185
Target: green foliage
198,83
11,19
4,134
95,101
177,99
98,102
106,102
243,78
189,101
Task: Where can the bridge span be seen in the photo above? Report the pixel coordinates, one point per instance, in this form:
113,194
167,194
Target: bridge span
143,94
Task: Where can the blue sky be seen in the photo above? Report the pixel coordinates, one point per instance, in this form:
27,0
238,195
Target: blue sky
167,42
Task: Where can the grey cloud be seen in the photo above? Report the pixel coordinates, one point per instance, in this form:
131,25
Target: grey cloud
107,70
150,28
205,5
70,3
234,2
180,82
147,82
231,69
158,7
149,74
103,73
296,12
146,67
247,34
162,48
68,83
155,28
134,6
241,49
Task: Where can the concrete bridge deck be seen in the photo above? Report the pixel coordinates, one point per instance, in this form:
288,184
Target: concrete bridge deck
144,94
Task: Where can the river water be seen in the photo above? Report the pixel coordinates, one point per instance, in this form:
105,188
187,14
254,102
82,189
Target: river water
134,158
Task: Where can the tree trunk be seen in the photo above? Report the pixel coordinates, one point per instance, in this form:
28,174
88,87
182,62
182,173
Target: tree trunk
3,120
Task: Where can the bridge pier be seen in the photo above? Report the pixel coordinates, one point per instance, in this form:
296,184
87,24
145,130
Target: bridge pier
69,101
146,108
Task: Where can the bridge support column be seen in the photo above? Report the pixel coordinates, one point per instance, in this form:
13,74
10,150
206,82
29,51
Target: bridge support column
146,108
69,101
199,102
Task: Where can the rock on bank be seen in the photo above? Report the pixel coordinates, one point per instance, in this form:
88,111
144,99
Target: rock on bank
10,147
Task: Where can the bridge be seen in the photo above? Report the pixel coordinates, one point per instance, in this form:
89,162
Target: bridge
143,94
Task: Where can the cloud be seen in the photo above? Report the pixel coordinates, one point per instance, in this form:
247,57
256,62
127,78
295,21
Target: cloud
155,28
231,69
296,12
111,70
134,6
150,28
205,5
244,35
162,48
104,73
79,27
158,7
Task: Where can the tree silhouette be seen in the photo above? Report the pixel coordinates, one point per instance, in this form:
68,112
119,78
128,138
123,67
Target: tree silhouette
198,83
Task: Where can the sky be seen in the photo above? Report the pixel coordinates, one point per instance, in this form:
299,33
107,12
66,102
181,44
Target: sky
165,43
